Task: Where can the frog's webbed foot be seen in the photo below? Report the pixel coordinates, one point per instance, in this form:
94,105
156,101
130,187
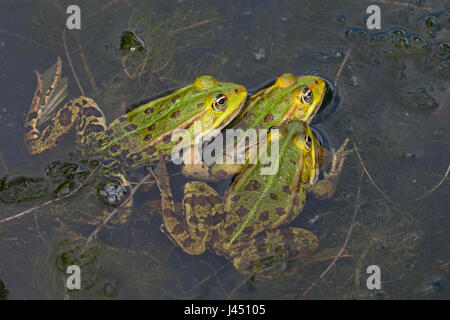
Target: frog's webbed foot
325,188
50,92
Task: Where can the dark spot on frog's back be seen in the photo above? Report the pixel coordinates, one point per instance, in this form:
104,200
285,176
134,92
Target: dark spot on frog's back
65,117
236,198
32,115
200,105
273,196
264,216
176,114
123,118
280,211
91,111
149,110
241,212
114,148
152,127
253,185
148,137
197,200
150,150
167,138
174,99
124,153
178,229
286,189
213,200
94,128
131,127
47,133
268,118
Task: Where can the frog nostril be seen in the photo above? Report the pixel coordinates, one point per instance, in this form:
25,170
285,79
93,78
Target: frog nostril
236,91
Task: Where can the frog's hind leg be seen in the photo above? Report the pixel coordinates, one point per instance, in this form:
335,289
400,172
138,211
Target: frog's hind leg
91,122
201,203
50,92
269,253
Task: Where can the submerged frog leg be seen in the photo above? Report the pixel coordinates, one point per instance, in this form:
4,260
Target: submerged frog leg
191,231
201,204
325,188
269,253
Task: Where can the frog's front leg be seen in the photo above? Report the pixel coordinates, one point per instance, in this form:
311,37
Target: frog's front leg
325,188
268,253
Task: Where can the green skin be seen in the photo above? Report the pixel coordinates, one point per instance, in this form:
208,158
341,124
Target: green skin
286,100
138,137
245,225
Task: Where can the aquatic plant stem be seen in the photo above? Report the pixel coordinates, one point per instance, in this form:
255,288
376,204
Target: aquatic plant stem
341,67
344,246
21,214
70,63
436,186
192,26
368,174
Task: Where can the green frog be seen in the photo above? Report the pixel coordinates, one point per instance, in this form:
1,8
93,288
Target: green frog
140,136
246,225
289,98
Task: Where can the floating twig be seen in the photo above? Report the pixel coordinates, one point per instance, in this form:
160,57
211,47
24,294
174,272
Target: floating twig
21,214
239,285
396,3
344,246
87,68
8,239
436,186
341,67
21,37
192,26
70,63
106,6
368,174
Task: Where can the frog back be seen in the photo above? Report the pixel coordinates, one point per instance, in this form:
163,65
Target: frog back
258,202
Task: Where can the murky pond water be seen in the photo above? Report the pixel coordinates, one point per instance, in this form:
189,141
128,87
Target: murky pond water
392,102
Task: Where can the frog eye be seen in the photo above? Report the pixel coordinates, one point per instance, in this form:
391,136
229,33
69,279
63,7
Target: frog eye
308,142
220,103
307,96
